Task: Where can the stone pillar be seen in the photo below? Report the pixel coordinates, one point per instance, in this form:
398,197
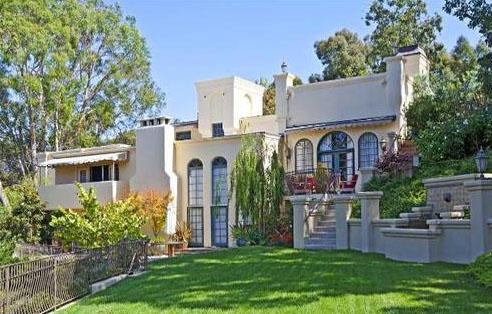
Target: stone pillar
480,195
366,174
369,212
343,210
300,206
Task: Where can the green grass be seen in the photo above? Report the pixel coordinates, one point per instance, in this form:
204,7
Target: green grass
275,280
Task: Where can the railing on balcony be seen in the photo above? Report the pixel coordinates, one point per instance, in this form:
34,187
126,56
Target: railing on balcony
312,181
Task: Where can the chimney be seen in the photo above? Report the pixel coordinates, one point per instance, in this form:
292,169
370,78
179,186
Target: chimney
282,83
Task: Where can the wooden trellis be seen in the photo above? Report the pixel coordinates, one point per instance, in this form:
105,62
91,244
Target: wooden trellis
44,284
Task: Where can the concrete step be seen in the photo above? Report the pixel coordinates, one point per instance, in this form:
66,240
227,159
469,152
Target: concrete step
322,235
319,247
452,215
326,222
410,215
325,229
321,242
460,208
422,209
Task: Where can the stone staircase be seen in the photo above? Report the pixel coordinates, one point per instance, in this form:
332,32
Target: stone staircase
323,236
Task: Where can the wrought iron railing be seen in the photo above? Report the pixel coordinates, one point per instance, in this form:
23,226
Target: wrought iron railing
44,284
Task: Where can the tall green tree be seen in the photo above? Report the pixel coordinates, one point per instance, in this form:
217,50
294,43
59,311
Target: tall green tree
77,72
269,94
343,55
478,14
400,23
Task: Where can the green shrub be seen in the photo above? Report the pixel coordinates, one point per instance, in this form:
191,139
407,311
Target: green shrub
25,217
401,194
98,225
481,269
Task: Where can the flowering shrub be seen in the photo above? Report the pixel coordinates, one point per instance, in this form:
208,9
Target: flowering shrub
394,163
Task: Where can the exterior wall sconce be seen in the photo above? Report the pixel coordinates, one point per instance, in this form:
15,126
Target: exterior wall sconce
384,144
481,160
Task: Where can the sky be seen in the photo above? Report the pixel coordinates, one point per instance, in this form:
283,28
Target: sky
197,40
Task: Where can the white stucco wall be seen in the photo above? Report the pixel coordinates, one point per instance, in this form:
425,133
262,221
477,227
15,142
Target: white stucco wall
256,124
227,100
338,100
206,151
154,165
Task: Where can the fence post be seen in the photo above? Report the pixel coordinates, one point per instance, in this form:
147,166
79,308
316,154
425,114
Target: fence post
55,278
7,289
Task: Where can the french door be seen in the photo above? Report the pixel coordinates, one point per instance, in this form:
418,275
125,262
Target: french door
219,225
195,221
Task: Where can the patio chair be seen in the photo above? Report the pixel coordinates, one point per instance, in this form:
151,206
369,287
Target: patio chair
348,187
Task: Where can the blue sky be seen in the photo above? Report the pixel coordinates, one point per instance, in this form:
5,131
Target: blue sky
198,40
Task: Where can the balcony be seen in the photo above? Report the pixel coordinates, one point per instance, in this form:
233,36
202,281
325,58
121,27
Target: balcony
319,181
65,195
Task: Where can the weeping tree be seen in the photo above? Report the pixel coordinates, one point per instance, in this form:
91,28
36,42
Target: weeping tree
257,183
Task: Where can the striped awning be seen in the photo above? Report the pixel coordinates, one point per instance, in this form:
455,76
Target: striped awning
81,160
342,123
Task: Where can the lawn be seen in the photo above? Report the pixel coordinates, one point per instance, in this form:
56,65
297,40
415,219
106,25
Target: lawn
273,280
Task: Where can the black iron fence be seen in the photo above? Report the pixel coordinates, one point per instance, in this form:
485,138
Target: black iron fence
44,284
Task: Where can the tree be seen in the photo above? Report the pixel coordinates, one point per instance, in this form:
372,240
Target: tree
400,23
449,117
257,184
275,187
343,55
269,94
153,208
478,13
464,57
77,72
25,213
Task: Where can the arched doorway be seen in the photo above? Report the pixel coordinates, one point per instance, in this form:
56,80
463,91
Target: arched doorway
336,152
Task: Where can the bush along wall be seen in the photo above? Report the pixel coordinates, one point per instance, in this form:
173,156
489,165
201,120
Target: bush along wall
403,193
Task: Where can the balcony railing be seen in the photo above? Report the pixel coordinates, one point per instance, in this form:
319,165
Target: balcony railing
312,181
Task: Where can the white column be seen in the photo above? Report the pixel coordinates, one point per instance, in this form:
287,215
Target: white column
300,207
366,174
343,210
369,212
480,195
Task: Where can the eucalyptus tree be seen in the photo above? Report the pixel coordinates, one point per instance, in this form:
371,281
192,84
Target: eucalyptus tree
76,73
400,23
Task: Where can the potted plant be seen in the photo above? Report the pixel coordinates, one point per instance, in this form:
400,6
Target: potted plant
240,233
157,246
182,234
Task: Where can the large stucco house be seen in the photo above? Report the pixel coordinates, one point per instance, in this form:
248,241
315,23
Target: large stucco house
339,123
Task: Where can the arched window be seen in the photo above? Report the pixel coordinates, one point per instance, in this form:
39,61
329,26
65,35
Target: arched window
219,181
195,201
195,183
304,155
336,152
219,208
368,150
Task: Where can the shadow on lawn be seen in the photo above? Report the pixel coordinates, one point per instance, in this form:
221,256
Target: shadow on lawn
262,278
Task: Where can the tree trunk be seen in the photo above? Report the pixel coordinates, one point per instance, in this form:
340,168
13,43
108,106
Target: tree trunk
33,143
3,197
